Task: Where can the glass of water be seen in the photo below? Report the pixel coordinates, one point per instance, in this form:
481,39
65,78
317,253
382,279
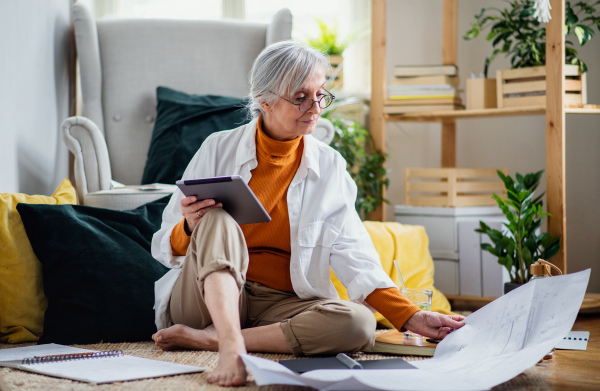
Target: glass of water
422,299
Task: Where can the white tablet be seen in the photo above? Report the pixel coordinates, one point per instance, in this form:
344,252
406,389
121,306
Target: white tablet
235,195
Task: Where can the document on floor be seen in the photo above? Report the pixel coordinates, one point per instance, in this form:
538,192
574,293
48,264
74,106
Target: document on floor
497,343
88,365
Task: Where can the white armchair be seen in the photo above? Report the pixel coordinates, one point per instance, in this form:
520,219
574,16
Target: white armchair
122,62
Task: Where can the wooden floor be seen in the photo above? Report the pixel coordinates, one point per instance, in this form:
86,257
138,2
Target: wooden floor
567,369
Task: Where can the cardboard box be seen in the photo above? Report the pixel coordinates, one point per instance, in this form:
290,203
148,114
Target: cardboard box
481,94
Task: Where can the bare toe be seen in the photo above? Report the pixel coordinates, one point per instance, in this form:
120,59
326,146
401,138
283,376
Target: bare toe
181,336
230,371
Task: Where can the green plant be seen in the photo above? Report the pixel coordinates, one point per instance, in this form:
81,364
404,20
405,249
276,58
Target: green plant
521,245
364,163
515,31
328,41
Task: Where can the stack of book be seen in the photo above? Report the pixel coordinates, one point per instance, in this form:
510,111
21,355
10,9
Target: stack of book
423,88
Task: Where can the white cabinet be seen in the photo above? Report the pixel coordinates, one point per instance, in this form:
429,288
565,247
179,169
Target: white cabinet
461,267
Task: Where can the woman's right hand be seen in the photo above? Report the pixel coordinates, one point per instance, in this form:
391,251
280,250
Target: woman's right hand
193,210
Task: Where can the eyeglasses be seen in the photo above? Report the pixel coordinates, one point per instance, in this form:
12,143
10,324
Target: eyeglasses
307,103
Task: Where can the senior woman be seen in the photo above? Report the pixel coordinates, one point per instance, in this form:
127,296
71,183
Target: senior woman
266,287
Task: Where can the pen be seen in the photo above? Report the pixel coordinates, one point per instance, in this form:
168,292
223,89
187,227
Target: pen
347,361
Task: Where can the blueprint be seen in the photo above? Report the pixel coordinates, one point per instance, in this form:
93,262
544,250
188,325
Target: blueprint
497,343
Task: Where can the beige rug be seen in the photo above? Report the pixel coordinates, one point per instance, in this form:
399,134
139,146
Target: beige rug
21,380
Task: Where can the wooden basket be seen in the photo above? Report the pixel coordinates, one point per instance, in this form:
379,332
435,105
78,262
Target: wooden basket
452,186
527,87
335,62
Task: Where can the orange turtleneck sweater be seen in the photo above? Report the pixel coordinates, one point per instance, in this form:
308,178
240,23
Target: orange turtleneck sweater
269,243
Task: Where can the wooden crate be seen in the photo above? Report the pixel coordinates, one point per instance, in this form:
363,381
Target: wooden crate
336,67
452,186
527,87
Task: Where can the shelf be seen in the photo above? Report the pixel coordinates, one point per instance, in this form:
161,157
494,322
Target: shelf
554,114
483,113
569,110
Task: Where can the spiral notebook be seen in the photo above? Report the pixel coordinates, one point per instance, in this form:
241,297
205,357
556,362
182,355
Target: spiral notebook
88,365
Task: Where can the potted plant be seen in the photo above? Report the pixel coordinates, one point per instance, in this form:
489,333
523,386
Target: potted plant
365,163
517,31
520,244
329,42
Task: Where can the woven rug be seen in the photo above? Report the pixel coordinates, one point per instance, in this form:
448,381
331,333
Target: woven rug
21,380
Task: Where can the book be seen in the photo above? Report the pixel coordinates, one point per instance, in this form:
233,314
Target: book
423,93
393,342
302,365
425,70
401,109
430,87
148,187
90,366
427,101
425,80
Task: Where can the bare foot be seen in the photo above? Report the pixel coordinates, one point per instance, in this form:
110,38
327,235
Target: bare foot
181,336
230,370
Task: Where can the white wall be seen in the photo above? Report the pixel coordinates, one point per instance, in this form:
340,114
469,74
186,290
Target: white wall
517,143
34,95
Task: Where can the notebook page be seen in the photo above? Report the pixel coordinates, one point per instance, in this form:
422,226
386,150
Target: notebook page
111,369
95,370
38,350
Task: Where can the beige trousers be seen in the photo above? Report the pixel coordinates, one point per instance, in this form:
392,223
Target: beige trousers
311,326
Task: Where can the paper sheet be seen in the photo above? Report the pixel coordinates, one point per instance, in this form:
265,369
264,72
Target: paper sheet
576,340
497,343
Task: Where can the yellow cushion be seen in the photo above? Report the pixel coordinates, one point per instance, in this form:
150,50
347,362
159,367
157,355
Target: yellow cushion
409,245
22,300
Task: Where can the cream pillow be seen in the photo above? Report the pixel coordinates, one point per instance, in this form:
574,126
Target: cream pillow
22,300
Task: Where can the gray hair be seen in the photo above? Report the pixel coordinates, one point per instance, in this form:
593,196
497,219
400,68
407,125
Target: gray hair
281,69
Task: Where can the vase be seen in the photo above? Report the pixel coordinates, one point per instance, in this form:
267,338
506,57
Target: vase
509,286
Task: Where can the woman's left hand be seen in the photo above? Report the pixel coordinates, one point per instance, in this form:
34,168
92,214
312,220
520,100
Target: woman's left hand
433,324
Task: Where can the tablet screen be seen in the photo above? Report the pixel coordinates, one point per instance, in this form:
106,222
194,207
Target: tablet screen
235,195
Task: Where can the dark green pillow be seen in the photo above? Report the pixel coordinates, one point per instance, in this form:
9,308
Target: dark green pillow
182,124
97,270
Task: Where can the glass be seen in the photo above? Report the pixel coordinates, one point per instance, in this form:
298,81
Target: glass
307,103
422,299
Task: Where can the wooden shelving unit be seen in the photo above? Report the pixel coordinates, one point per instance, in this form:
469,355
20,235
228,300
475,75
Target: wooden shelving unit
554,110
457,114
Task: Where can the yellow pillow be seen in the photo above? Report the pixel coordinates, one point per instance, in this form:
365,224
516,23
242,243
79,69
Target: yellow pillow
409,245
22,300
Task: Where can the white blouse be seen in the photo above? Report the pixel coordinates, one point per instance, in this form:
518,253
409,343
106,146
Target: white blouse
325,229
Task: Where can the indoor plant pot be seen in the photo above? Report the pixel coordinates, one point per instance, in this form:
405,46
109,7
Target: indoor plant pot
519,32
520,244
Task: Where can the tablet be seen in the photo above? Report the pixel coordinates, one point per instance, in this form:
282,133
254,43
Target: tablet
235,195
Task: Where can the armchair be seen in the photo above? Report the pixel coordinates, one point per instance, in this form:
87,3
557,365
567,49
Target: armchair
121,64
